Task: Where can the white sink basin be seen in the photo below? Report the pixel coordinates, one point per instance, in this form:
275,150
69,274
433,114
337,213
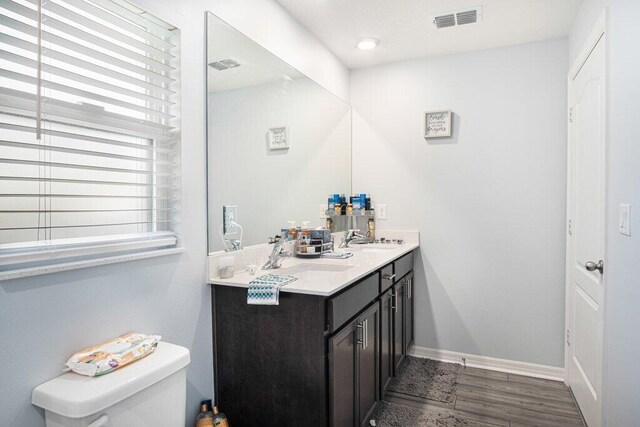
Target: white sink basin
312,270
374,248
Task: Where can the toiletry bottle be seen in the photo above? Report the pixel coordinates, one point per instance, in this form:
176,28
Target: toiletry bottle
219,418
349,209
371,230
355,201
363,203
331,204
305,228
205,417
304,238
329,224
293,231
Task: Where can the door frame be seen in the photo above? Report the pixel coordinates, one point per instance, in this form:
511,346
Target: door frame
597,34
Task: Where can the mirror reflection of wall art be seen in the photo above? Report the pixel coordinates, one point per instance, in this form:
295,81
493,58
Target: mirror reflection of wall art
437,124
278,138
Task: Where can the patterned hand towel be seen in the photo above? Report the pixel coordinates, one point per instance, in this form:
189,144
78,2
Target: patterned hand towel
265,289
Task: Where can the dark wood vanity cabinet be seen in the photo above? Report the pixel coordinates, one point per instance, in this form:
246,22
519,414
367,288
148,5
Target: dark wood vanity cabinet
397,313
386,340
353,370
312,360
408,313
396,333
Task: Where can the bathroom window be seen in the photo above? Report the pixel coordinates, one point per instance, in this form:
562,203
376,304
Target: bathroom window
89,125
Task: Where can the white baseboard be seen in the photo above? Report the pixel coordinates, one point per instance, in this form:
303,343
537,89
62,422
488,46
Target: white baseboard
491,363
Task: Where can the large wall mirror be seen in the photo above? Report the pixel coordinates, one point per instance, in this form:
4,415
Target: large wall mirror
278,143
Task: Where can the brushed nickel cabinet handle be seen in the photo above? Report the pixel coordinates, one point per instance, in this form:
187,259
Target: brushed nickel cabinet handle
366,334
388,277
360,340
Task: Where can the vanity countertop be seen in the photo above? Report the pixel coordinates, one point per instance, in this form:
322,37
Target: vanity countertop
326,276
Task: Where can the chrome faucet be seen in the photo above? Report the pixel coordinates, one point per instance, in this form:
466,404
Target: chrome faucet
277,255
353,236
236,245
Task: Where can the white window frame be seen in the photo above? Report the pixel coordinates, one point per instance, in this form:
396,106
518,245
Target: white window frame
127,250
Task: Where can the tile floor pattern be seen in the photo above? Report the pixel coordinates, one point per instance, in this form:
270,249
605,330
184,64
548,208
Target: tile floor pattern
490,398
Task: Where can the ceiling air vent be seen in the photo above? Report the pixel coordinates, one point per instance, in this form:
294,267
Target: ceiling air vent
459,17
444,21
224,64
467,17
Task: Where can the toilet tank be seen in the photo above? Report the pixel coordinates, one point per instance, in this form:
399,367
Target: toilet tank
149,392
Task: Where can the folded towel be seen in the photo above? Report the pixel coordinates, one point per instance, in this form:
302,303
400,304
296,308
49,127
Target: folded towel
265,289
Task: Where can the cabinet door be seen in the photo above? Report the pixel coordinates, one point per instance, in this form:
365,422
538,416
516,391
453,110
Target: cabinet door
408,314
386,341
398,325
368,363
342,377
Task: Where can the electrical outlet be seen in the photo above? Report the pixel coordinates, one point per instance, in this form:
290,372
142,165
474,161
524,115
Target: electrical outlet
229,217
381,211
625,218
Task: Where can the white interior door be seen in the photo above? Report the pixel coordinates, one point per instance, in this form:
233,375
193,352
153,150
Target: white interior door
585,276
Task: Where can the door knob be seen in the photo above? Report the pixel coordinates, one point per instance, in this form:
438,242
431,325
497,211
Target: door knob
592,266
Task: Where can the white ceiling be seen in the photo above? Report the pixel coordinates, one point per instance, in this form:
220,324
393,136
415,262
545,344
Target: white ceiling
405,31
257,65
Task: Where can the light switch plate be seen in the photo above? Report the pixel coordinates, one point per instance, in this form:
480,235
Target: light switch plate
625,218
229,216
381,211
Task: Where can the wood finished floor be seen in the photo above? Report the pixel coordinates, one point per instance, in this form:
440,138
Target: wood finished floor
490,398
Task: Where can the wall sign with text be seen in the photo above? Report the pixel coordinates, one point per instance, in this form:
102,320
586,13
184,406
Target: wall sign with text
437,124
278,138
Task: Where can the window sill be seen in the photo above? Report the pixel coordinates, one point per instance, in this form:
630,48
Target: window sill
56,268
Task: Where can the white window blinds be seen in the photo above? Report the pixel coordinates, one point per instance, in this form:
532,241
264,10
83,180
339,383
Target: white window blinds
89,137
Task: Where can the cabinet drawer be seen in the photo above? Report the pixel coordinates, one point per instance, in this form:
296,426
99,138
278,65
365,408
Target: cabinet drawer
346,305
403,265
387,278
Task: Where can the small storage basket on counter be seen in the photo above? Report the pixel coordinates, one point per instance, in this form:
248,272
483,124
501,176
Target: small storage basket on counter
316,243
313,250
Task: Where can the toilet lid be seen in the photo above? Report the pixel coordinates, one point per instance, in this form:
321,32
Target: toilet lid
76,396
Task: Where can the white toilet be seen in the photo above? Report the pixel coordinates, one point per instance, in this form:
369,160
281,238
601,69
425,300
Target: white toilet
149,392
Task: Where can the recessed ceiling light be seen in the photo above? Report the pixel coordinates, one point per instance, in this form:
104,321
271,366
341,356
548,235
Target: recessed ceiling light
367,43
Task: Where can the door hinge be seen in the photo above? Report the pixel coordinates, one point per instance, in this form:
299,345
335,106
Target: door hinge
571,115
568,337
569,228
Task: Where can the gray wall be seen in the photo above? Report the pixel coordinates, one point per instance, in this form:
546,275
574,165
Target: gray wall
45,319
489,202
622,280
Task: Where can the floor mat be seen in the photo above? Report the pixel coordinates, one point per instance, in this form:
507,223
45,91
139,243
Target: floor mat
427,378
392,415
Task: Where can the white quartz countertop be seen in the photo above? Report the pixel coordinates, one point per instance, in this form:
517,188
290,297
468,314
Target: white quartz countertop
326,276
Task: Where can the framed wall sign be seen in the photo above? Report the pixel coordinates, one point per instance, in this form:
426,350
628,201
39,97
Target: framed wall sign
437,124
278,138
